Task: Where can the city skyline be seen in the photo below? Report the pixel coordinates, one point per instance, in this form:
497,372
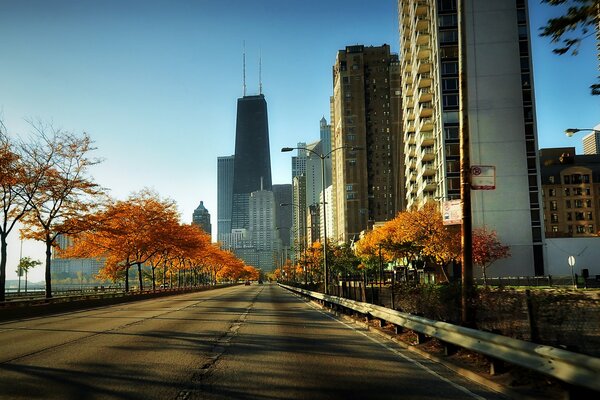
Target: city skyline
155,85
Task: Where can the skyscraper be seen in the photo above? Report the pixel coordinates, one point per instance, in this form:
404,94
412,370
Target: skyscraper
252,164
201,218
283,215
365,114
224,197
500,111
591,142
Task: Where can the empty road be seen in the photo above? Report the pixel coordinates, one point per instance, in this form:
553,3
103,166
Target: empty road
242,342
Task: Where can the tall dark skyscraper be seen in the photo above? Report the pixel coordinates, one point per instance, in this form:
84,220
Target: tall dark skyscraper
252,165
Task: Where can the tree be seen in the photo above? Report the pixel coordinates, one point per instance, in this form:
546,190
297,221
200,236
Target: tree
18,183
581,18
25,264
65,194
487,248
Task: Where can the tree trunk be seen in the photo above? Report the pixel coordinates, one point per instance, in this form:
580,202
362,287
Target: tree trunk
48,265
484,276
127,279
140,280
3,246
153,280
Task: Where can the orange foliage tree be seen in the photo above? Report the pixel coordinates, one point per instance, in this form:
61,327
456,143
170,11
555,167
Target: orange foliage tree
487,248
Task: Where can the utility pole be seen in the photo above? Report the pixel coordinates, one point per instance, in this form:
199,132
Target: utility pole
467,314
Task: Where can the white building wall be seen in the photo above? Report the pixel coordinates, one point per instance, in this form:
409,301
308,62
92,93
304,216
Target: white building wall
497,131
585,250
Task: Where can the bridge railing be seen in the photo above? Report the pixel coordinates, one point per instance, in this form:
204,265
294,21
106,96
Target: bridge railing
572,368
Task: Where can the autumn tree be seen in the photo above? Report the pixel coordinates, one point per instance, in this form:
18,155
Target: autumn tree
65,193
487,249
580,21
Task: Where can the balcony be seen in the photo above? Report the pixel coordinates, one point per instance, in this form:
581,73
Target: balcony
424,80
411,138
422,22
426,124
412,151
428,169
423,65
425,109
426,139
429,185
422,37
423,51
427,154
425,94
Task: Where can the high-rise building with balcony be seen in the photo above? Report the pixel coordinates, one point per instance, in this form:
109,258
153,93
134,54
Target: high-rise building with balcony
500,111
591,142
365,113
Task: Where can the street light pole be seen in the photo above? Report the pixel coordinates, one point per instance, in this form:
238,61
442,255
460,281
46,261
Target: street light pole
322,157
571,131
304,230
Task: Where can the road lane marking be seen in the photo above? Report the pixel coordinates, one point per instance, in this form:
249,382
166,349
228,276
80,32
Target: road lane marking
404,356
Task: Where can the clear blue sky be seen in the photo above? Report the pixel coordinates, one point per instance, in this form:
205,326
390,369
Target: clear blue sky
155,82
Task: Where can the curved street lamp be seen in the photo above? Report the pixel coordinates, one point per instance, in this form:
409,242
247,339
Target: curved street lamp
571,131
322,157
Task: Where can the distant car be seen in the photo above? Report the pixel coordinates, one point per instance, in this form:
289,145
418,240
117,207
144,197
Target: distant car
247,283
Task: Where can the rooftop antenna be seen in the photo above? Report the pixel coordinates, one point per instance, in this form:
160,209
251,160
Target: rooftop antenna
244,57
260,72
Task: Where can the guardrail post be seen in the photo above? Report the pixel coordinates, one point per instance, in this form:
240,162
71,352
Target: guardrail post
496,366
398,329
421,337
449,348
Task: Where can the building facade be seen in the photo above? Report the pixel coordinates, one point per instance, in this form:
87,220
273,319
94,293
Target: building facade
365,114
501,115
252,161
591,142
571,193
201,218
224,198
262,223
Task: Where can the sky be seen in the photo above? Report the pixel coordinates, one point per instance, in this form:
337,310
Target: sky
155,83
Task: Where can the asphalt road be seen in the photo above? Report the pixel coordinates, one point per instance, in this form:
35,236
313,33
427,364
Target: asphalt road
243,342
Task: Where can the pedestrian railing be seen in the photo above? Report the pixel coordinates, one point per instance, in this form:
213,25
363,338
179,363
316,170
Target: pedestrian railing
572,368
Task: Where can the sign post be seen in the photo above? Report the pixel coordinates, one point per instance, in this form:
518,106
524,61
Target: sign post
483,177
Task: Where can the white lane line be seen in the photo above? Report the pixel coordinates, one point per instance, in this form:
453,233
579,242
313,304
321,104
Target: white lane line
456,385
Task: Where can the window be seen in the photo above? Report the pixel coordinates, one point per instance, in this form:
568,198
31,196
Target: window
591,229
580,229
551,179
352,162
452,166
569,216
448,20
450,83
348,188
566,179
567,192
453,183
450,117
579,216
449,67
588,203
554,228
551,192
449,36
448,52
554,205
523,32
451,132
447,5
578,203
568,204
554,218
590,216
350,196
453,149
450,100
586,178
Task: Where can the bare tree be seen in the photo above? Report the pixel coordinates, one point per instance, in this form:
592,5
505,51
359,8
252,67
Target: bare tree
65,194
18,182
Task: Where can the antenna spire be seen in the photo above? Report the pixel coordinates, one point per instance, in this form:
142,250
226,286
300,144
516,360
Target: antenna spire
260,72
244,73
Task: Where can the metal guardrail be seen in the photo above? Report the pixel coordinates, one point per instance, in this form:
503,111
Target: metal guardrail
573,368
